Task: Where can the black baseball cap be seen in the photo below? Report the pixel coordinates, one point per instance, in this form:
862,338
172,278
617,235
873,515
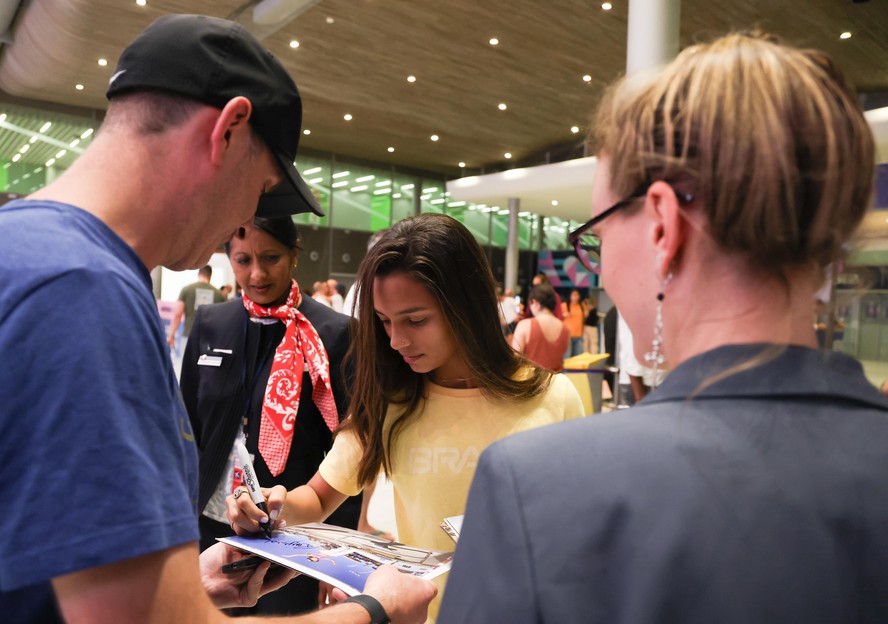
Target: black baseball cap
213,60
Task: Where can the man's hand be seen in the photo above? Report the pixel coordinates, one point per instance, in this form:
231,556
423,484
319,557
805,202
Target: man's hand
240,589
404,597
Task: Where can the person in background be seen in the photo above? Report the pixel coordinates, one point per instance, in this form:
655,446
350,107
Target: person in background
202,121
350,303
542,337
541,279
574,315
509,308
226,291
191,297
435,383
751,486
590,325
231,401
334,294
320,292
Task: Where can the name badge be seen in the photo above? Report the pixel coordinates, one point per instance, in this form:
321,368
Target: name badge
209,360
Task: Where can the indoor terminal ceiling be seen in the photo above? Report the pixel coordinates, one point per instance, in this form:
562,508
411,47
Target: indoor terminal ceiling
354,57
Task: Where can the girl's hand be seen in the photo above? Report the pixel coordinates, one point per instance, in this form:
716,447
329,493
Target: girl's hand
246,518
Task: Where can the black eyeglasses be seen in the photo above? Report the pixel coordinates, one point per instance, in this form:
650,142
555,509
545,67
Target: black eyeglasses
588,246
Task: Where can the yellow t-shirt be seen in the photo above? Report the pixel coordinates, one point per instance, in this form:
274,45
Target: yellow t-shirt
435,455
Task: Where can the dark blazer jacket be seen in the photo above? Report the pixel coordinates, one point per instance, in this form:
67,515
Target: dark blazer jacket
760,496
215,396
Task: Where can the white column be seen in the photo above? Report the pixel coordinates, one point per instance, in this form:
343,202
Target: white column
653,33
512,246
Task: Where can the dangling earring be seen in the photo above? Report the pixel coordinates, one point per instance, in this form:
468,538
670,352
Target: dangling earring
654,357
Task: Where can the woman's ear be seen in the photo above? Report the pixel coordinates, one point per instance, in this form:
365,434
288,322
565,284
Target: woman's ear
669,230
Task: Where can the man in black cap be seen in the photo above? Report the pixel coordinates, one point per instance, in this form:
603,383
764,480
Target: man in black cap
202,123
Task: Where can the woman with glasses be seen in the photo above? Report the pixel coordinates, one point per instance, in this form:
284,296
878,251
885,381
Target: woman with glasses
752,485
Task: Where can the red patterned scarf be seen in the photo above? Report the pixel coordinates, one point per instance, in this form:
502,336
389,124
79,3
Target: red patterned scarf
301,344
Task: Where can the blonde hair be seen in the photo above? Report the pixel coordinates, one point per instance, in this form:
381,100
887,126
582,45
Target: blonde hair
768,139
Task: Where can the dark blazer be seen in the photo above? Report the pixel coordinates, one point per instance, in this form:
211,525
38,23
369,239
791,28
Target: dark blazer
760,496
215,395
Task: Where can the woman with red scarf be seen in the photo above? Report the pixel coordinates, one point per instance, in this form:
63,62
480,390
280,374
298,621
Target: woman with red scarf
267,370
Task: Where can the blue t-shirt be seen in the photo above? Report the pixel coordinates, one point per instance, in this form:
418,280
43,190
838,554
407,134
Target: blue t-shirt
99,462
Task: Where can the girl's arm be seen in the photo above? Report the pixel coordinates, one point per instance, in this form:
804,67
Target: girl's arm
312,502
519,338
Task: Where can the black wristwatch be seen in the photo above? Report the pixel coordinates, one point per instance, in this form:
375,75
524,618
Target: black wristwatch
377,613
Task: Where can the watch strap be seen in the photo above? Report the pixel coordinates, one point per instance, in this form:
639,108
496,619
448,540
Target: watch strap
377,613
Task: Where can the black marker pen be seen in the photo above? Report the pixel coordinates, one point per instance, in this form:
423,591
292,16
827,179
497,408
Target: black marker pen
252,485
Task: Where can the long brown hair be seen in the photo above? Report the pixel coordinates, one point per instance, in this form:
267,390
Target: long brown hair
442,255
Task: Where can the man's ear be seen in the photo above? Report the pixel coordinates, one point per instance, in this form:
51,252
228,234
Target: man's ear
232,124
669,231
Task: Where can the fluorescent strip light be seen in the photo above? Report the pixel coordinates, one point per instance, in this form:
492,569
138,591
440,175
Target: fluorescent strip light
364,178
311,171
355,189
340,184
341,173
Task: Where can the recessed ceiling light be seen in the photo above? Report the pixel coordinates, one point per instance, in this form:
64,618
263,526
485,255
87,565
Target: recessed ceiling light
391,149
306,131
493,41
330,20
434,137
347,117
607,6
79,87
845,35
587,78
46,126
507,155
294,44
103,62
574,129
411,78
462,165
554,202
141,2
502,106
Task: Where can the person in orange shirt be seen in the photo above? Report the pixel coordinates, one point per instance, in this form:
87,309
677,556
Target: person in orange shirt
574,317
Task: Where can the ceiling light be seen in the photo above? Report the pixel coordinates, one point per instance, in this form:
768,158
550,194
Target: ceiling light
3,117
554,202
437,201
507,155
502,106
382,192
384,183
33,139
103,62
406,187
340,174
456,204
411,78
141,2
607,6
493,41
364,178
355,189
587,78
316,180
330,20
16,157
396,196
434,137
50,162
574,129
340,184
502,213
25,148
391,149
79,87
311,171
347,117
61,153
46,126
845,35
306,132
462,165
425,197
294,44
432,189
86,133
